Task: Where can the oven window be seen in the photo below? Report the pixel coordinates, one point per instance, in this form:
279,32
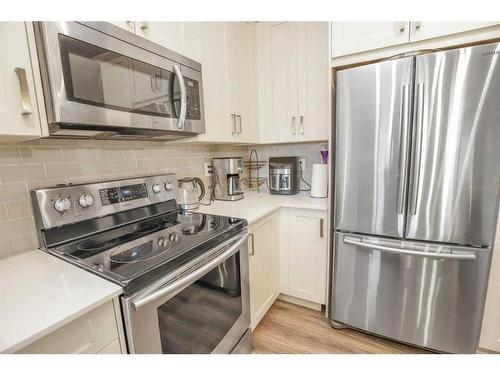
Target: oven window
99,77
198,318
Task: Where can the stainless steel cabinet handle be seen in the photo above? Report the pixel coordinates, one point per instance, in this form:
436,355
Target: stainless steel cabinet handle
144,26
403,156
294,130
393,250
239,122
183,282
233,117
402,27
301,124
417,25
26,108
321,231
182,86
417,147
253,244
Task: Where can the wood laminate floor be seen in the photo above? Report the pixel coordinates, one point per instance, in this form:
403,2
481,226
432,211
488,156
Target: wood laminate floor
292,329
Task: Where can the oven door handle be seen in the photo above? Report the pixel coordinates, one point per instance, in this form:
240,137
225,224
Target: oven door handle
181,283
182,87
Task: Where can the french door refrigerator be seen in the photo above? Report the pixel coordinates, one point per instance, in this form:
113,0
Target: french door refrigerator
416,195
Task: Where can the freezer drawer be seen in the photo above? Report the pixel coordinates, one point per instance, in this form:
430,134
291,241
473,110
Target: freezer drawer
424,294
372,150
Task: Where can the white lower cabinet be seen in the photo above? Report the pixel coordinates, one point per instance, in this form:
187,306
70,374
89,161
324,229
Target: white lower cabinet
304,255
98,331
263,250
490,330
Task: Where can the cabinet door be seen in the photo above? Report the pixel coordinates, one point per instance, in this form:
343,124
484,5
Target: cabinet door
19,118
218,122
167,34
427,30
354,37
181,37
307,254
283,122
490,329
127,25
87,334
314,82
264,267
240,80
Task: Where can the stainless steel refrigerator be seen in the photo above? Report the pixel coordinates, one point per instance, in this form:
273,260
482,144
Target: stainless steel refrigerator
416,195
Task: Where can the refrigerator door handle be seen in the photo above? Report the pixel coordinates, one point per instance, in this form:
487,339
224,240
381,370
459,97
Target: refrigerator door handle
417,146
387,249
403,157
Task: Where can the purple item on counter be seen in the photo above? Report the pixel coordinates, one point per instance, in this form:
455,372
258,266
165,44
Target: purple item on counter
324,154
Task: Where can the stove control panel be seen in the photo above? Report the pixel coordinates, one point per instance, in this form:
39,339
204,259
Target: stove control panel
66,204
123,194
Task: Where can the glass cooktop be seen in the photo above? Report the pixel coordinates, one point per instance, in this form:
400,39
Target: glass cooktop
134,251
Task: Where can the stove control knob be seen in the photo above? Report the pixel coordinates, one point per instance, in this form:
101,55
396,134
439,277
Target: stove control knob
162,241
156,188
62,204
168,186
86,200
173,237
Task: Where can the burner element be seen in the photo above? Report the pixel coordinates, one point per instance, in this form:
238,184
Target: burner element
142,228
142,252
97,244
197,224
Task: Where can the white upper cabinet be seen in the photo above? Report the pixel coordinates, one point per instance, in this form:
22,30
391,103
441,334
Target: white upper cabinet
19,116
180,37
354,37
240,81
351,38
293,81
127,25
427,30
227,64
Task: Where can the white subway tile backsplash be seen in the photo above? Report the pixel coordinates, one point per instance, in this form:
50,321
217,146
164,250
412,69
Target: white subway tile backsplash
46,163
16,173
64,170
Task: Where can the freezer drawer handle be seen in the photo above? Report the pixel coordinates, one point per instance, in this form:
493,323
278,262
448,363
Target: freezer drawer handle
387,249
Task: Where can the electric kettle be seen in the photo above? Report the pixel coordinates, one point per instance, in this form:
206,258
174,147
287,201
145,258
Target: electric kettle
191,191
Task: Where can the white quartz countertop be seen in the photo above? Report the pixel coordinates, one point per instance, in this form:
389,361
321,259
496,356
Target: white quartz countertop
255,206
40,293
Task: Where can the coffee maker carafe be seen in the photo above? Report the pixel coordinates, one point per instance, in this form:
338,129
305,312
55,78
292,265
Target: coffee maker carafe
227,178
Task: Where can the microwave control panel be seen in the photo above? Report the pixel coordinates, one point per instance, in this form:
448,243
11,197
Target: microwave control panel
193,111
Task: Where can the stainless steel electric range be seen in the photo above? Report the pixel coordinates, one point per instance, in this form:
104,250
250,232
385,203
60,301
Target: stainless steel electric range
184,275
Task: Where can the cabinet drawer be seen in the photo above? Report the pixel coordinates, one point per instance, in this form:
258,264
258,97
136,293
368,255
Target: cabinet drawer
87,334
113,348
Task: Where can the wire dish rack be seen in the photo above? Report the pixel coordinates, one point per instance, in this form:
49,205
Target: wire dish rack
253,165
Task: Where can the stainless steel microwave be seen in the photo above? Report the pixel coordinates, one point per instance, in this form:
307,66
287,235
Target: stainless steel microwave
100,81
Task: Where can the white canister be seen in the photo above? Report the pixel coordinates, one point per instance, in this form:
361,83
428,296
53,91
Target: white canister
319,183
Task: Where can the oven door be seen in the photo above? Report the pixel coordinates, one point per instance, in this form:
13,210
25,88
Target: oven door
100,76
203,309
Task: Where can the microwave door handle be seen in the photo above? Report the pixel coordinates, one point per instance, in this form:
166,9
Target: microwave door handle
182,87
185,281
394,250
